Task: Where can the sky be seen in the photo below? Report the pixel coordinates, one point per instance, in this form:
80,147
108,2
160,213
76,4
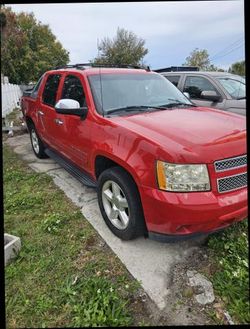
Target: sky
171,29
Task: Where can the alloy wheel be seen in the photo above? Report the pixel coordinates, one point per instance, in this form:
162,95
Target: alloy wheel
115,204
34,140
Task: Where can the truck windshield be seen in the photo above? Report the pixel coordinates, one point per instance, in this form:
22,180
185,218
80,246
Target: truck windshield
235,88
138,90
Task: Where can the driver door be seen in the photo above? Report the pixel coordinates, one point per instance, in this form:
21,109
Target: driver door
194,85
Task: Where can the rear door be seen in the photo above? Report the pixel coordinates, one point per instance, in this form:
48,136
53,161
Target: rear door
47,116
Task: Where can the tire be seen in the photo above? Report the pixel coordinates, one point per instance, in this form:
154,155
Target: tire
36,143
115,190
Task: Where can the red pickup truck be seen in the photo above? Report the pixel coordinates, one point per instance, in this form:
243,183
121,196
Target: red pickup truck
163,167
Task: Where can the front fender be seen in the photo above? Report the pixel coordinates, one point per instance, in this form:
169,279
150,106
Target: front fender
129,150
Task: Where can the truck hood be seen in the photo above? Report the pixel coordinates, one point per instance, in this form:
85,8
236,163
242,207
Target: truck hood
196,134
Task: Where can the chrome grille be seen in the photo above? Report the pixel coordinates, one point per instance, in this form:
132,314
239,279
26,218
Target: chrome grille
230,163
231,183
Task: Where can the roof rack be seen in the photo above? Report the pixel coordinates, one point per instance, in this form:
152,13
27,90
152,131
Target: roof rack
177,68
73,66
82,66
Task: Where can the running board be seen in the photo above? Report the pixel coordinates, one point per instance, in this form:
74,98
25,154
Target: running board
81,175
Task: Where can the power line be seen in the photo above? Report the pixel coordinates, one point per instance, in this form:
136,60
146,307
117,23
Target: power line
230,51
227,48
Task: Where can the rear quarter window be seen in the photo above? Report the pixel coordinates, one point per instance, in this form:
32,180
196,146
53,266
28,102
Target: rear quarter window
35,90
174,79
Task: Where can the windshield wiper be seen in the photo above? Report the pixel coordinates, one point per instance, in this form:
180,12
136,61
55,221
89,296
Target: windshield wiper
132,108
142,108
176,102
243,97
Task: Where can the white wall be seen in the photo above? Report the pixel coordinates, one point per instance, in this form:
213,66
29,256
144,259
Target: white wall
10,96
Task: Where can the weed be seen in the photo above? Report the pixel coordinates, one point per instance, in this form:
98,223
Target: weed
229,250
53,222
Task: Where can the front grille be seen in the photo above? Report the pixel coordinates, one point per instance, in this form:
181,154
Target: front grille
230,163
231,183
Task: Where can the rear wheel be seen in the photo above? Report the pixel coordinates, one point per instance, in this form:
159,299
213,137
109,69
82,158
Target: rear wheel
120,204
36,143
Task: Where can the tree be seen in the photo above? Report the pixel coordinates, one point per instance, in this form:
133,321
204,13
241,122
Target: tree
200,58
238,68
2,20
29,48
124,48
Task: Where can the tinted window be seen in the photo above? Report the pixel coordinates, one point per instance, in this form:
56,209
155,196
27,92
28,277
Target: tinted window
50,89
195,85
73,89
36,88
174,79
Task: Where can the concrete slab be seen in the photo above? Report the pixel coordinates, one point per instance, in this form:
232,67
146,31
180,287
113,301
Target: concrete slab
44,167
12,245
74,190
18,140
148,261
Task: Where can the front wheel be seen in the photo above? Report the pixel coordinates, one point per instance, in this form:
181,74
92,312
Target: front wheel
120,204
36,142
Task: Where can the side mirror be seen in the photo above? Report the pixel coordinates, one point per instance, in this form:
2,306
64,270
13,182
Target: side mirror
210,95
186,94
71,107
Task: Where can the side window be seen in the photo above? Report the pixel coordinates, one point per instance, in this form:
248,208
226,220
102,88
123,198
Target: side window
173,78
195,85
50,89
36,88
73,89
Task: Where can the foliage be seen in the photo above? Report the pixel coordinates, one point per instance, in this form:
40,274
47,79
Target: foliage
229,251
29,48
200,58
2,20
61,277
124,48
238,68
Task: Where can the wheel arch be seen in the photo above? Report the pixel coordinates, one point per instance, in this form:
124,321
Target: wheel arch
29,121
103,162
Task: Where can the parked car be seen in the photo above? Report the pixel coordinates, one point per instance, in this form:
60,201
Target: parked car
220,90
163,167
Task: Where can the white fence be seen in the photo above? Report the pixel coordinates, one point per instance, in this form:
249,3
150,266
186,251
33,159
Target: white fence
10,97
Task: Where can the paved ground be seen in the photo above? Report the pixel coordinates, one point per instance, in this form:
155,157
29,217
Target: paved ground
150,262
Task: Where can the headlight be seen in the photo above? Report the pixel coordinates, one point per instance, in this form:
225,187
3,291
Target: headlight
182,178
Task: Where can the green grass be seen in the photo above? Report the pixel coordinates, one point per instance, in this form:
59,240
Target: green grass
229,255
62,276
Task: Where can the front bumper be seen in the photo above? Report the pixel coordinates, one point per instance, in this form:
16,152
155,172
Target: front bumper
179,215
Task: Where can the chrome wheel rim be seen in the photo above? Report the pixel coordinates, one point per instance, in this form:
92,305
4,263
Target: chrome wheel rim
34,140
115,204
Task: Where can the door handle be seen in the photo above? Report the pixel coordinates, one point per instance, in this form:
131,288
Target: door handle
40,112
58,121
